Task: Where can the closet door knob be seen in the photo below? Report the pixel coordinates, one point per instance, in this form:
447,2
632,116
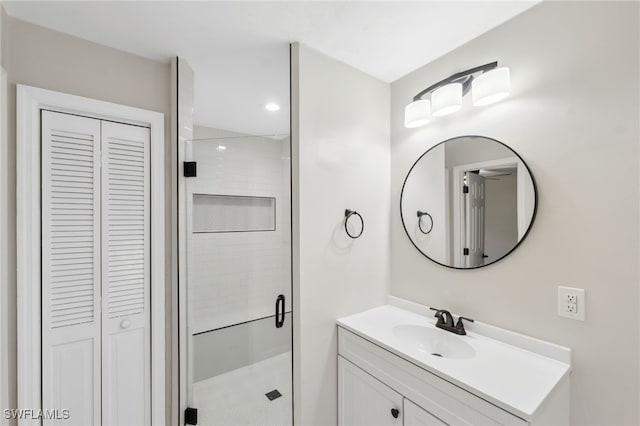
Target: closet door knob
395,413
125,324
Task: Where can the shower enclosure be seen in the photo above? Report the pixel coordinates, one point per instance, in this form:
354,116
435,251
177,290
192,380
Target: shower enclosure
236,231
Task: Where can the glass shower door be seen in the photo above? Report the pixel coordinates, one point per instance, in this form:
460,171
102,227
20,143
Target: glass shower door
239,279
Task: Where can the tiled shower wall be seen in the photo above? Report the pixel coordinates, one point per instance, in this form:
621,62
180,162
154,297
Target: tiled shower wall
235,277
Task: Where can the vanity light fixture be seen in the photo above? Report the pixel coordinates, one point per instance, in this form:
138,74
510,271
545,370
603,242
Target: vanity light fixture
417,113
447,99
488,83
491,86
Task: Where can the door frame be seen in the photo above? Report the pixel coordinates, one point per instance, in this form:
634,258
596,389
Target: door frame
5,243
30,101
458,199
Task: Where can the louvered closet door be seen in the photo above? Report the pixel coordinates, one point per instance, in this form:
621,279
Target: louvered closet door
71,267
125,275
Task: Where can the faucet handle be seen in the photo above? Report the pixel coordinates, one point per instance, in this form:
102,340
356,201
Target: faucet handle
444,317
460,324
438,311
438,315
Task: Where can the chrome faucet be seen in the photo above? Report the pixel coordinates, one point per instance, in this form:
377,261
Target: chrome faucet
445,321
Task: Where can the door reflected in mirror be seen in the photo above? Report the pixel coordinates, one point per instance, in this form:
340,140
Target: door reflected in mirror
468,202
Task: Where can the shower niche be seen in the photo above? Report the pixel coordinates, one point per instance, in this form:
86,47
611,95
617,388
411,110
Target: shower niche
233,213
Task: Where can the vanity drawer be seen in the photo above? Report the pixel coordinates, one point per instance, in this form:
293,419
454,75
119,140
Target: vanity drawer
448,402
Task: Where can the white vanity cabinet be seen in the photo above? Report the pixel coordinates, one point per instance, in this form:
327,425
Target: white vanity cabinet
365,401
384,380
372,381
416,416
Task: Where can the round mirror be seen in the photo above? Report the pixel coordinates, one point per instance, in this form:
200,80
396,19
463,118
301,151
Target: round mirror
468,202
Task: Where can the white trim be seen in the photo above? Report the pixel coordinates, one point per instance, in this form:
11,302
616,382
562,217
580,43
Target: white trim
183,122
5,244
176,375
30,101
458,200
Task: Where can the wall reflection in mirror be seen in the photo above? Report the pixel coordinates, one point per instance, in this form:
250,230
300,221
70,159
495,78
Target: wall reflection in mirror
468,202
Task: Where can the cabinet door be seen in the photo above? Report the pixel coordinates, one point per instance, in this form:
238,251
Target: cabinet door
71,267
126,393
416,416
365,401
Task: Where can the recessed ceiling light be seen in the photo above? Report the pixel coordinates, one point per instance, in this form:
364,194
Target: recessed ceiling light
221,148
272,107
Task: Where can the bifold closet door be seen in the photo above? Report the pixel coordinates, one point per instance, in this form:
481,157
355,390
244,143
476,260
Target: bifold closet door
71,247
126,390
96,270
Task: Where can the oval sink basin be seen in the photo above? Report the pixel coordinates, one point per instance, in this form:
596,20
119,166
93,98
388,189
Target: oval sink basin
434,342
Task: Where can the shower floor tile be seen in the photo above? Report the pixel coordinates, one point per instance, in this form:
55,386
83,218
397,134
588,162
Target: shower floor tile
237,398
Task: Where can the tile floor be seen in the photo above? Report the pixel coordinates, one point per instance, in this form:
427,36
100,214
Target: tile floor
238,397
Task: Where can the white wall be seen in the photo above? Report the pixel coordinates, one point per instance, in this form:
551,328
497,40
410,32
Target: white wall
48,59
574,117
340,152
472,149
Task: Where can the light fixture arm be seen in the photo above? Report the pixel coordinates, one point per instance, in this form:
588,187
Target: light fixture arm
464,77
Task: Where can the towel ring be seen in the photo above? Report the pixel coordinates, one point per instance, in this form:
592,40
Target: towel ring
347,214
420,215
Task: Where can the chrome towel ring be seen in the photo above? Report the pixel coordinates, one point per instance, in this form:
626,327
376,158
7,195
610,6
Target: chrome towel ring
347,215
420,216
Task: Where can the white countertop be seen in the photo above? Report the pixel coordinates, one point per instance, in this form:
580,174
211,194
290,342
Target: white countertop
510,377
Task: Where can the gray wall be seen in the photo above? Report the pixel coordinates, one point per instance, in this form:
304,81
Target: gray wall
501,216
574,117
48,59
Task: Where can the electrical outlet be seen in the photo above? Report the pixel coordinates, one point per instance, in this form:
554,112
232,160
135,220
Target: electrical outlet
571,303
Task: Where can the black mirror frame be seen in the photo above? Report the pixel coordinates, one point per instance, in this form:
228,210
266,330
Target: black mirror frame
524,237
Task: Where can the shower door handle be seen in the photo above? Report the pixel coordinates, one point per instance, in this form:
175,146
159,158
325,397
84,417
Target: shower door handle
280,311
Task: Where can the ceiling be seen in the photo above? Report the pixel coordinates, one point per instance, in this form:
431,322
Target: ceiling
239,50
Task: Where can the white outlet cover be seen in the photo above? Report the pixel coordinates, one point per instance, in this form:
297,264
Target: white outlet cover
567,309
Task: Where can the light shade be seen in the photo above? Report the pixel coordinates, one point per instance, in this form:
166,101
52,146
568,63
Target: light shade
491,86
417,113
446,99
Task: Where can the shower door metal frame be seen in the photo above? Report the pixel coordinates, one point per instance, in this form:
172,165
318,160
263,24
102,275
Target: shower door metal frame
182,130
